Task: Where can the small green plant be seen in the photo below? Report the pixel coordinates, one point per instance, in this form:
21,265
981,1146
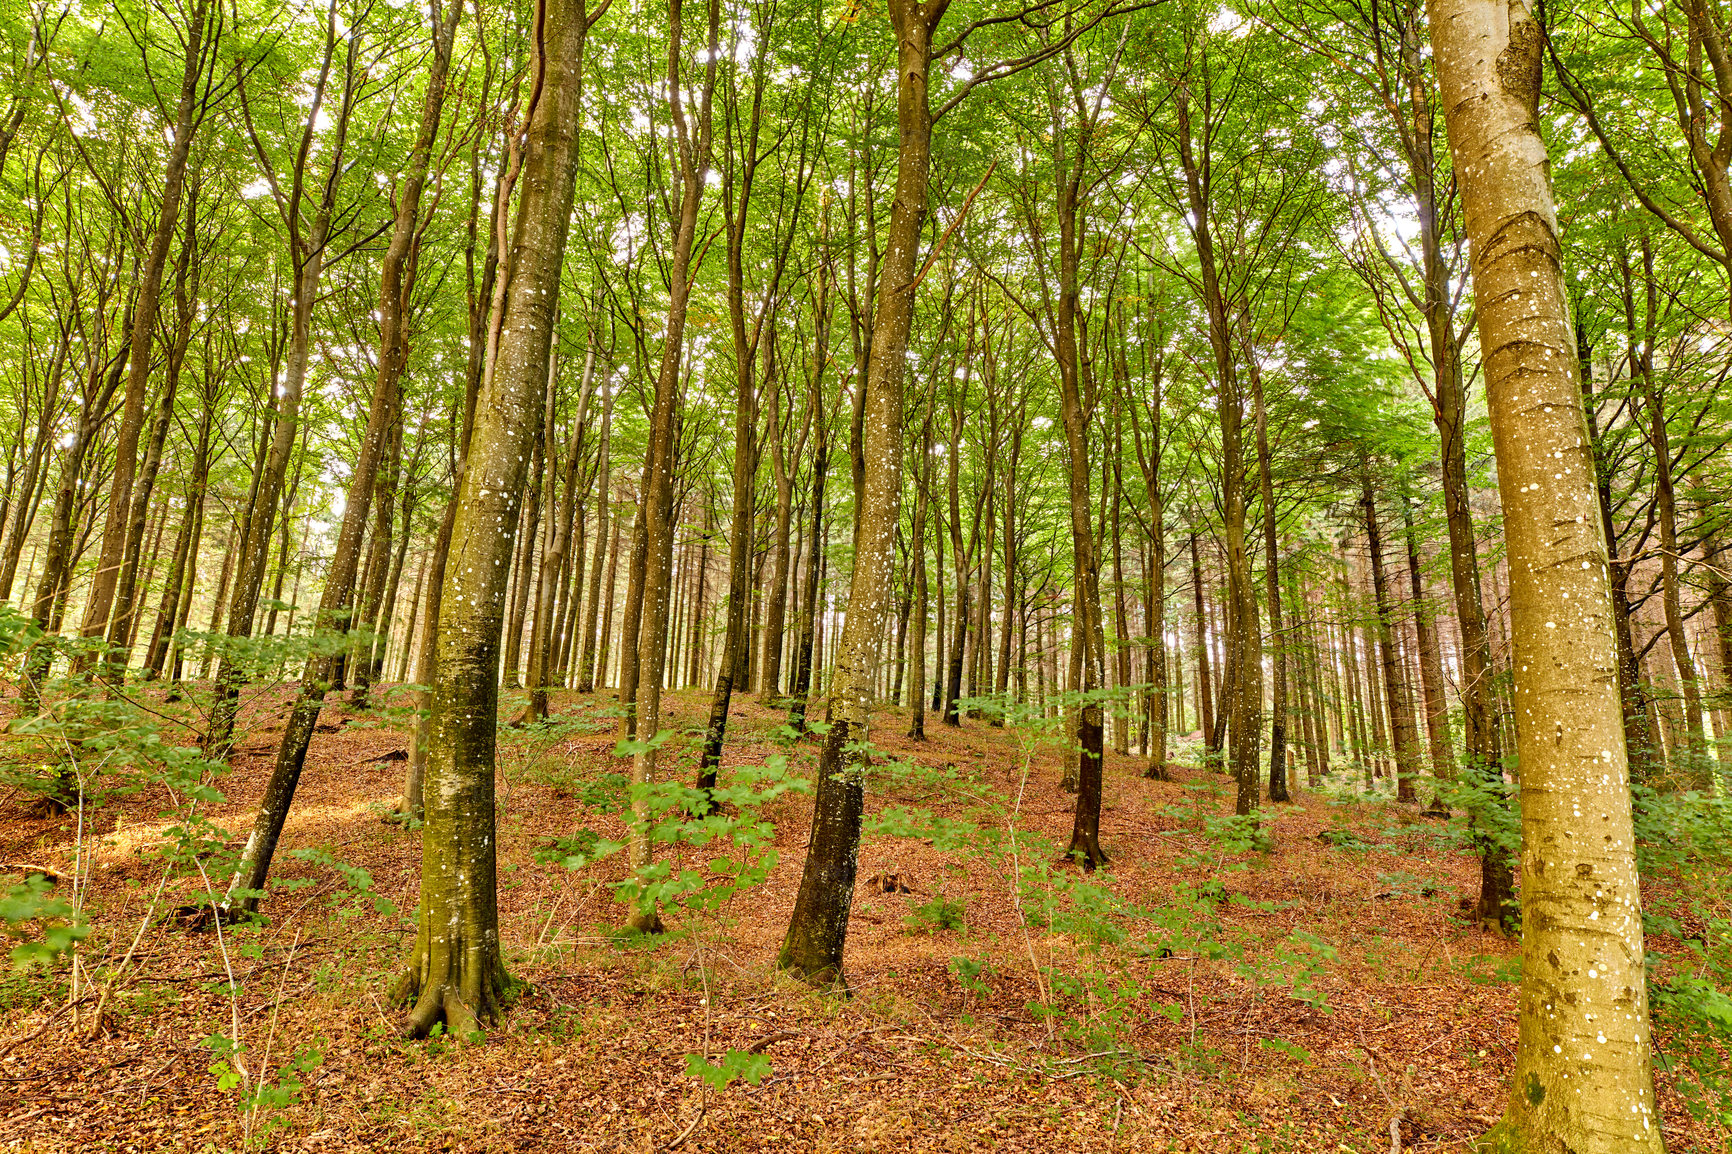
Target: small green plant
1697,1015
1401,884
263,1094
685,820
735,1066
356,893
971,974
1344,839
1486,969
1282,1046
937,915
1303,958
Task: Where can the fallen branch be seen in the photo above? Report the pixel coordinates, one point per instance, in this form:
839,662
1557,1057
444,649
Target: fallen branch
686,1133
26,868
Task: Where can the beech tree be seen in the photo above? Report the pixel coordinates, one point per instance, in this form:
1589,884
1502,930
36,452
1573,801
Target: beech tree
456,974
1582,1074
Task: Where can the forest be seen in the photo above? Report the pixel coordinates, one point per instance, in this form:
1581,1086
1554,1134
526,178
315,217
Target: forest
859,575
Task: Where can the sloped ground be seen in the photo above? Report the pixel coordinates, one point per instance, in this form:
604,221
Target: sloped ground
1350,1007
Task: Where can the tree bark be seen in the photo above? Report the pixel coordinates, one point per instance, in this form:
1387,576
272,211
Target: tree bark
335,601
812,949
456,974
1430,662
693,147
1403,737
1272,578
1582,1075
203,25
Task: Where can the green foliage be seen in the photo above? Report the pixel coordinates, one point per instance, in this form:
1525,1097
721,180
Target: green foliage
1346,839
1299,961
735,1066
971,974
1697,1015
687,819
937,915
270,1094
1292,1050
43,925
356,894
1677,829
1488,809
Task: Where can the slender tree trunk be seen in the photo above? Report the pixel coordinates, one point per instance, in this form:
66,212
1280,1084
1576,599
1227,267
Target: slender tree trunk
1402,735
605,524
818,929
1430,663
543,635
455,974
1694,766
336,601
810,607
1272,577
1205,703
378,570
917,635
200,37
693,147
525,566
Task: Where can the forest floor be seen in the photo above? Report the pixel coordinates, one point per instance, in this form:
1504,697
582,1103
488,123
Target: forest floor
1328,994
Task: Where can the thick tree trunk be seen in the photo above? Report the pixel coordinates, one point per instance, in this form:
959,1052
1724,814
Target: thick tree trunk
1582,1075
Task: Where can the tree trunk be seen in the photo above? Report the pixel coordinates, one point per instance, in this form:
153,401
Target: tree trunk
693,147
525,567
1272,578
605,524
814,546
1430,663
1582,1075
1205,703
378,571
543,636
818,929
199,38
1692,767
455,974
1403,736
247,884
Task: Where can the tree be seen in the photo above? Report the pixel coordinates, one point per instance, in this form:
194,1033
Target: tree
455,974
1582,1075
